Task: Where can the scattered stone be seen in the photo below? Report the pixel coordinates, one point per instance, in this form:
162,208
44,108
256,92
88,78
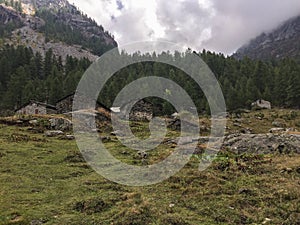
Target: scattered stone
267,220
53,133
90,206
175,124
262,143
278,124
245,191
277,130
246,131
124,153
74,158
19,122
33,122
60,124
237,125
142,155
204,128
67,137
117,133
171,205
286,170
105,139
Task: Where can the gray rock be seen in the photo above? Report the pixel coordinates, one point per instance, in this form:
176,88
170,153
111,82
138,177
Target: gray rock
142,155
277,130
263,143
278,124
60,124
33,122
117,133
53,133
237,125
68,137
105,139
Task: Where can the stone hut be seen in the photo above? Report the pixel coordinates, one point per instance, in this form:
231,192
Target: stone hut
36,108
261,104
65,105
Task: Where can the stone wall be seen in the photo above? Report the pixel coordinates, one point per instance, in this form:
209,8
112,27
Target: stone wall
65,105
35,108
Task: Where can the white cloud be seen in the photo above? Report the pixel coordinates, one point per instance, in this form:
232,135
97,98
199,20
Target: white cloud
217,25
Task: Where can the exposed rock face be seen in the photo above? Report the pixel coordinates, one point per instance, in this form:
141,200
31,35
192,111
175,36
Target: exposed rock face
282,143
263,143
280,43
29,30
72,16
35,40
7,14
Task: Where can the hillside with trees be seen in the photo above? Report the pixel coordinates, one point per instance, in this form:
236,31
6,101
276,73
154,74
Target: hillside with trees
25,76
58,25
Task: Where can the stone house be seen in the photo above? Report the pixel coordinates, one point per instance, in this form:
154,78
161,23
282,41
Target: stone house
261,104
65,105
35,108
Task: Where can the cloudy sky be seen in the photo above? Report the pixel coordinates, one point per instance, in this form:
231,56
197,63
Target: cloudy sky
216,25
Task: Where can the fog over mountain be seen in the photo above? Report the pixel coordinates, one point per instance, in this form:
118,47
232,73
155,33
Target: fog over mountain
221,26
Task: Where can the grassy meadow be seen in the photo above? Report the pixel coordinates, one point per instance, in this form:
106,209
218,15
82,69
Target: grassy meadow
46,181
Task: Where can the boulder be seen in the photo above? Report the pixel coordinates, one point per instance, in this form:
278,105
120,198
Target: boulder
261,104
263,143
61,124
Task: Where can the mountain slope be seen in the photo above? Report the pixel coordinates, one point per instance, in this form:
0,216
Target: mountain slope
280,43
54,24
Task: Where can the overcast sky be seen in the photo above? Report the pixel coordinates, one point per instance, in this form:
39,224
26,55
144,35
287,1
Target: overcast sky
216,25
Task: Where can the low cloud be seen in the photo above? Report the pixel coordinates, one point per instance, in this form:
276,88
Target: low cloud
221,26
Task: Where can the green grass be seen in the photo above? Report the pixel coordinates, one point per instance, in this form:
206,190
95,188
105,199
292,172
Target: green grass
46,181
261,121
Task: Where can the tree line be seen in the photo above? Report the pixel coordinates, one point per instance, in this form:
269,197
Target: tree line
25,76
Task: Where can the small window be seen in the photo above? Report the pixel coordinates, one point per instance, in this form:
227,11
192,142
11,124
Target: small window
37,111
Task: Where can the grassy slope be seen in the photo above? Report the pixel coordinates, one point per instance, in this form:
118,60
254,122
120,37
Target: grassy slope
46,181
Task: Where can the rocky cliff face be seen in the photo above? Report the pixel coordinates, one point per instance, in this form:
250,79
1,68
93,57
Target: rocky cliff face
280,43
38,15
8,14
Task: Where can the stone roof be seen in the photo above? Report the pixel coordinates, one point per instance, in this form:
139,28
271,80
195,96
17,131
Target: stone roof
38,103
